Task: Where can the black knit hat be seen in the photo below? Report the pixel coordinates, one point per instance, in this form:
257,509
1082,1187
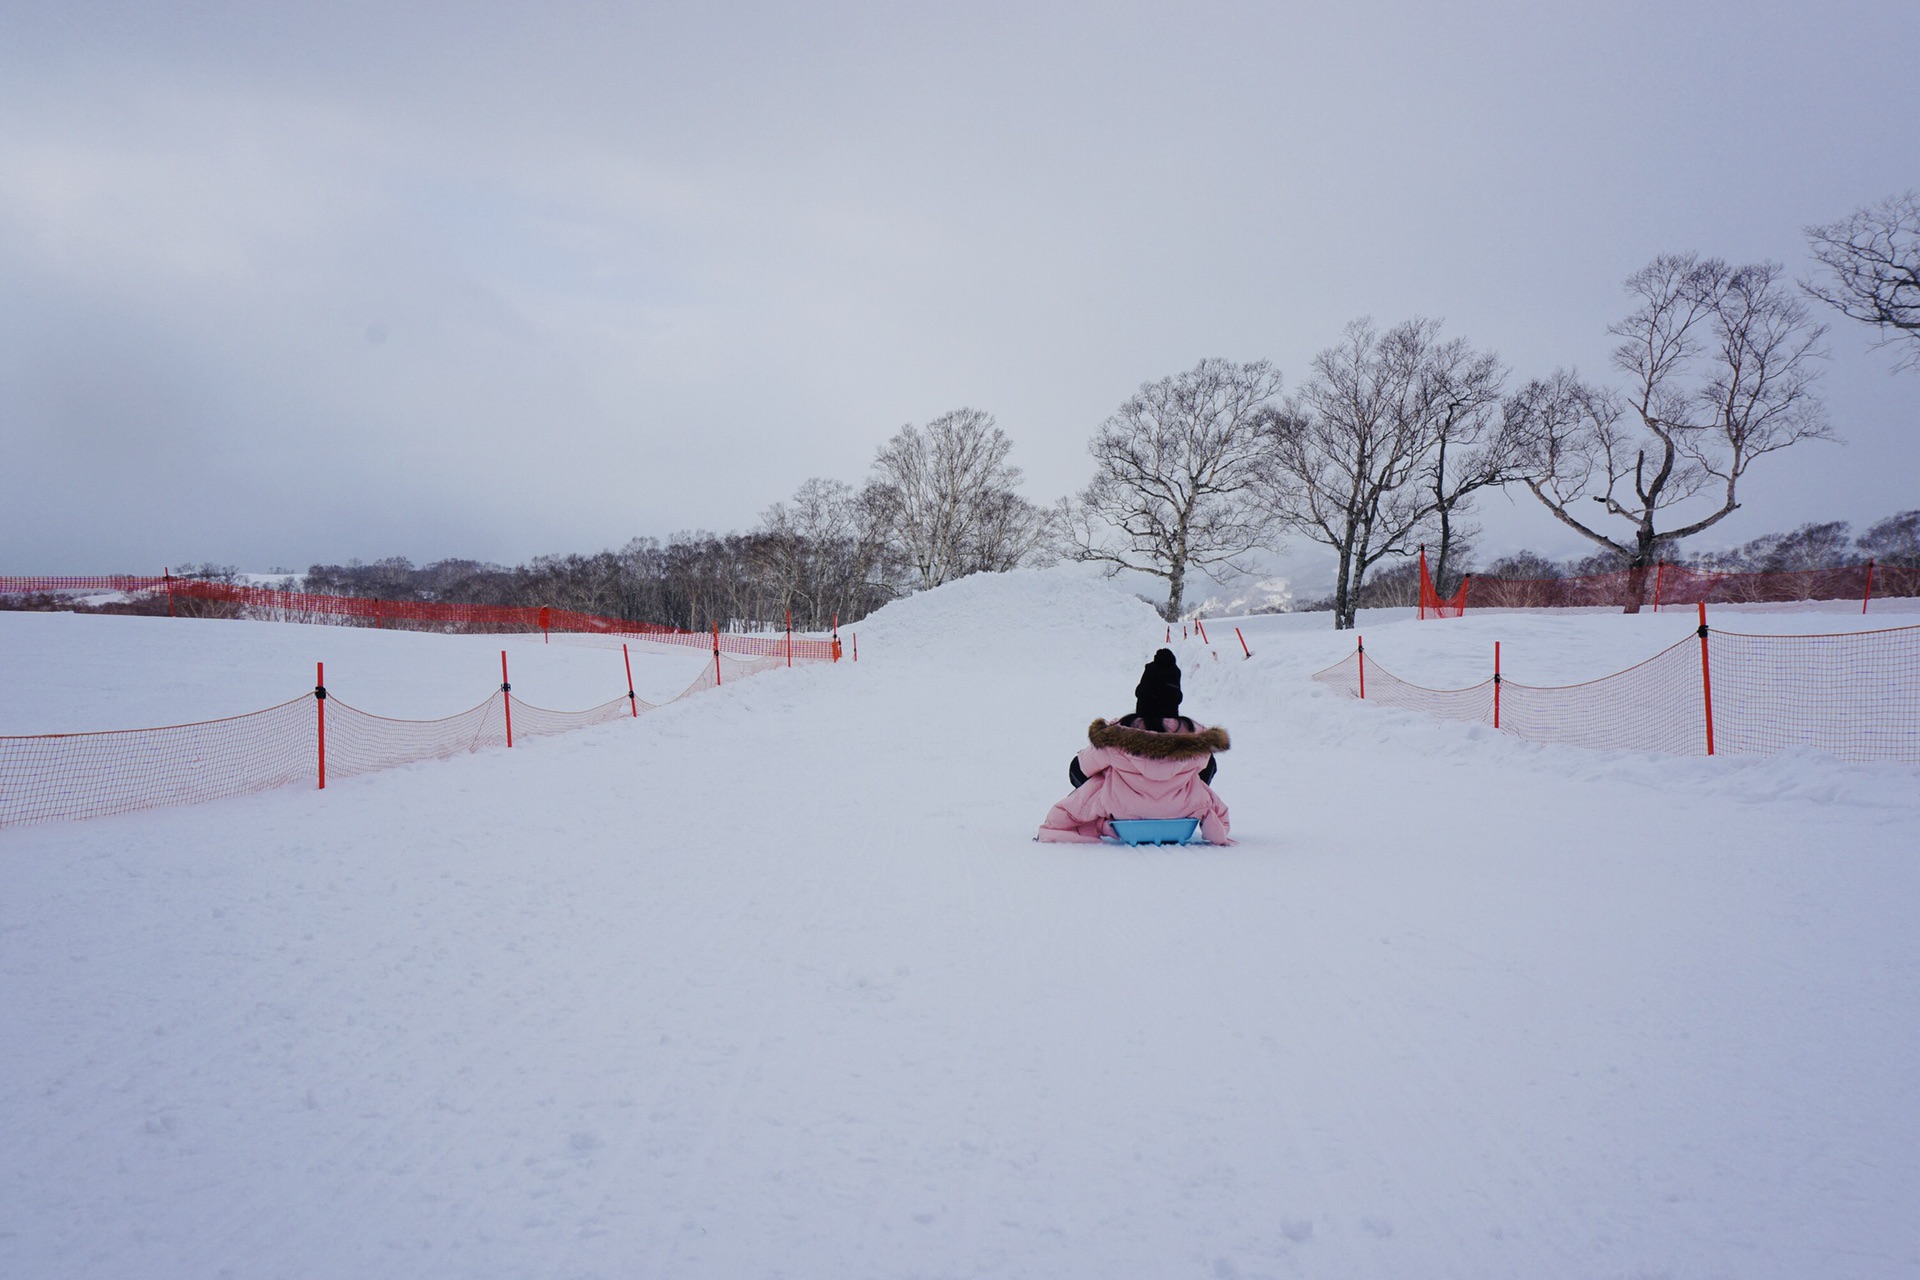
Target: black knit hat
1157,696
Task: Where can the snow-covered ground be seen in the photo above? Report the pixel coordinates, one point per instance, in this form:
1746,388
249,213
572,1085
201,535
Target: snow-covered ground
69,673
773,982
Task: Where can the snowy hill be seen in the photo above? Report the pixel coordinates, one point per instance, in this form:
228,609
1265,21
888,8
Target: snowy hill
773,982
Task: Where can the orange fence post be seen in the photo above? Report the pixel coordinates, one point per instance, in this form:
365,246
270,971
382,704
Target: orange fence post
1243,643
1169,633
1869,596
1659,576
856,646
506,695
631,700
1202,630
1496,684
1360,650
716,655
168,572
546,617
1706,677
789,637
320,715
836,637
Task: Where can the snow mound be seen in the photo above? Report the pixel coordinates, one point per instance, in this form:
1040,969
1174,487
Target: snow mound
1064,606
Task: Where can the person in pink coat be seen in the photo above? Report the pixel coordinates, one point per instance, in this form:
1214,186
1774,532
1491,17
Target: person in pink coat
1155,763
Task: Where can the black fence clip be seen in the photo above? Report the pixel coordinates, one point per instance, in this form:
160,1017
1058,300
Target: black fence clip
320,693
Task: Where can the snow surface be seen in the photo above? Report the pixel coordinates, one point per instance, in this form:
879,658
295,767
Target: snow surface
773,982
70,673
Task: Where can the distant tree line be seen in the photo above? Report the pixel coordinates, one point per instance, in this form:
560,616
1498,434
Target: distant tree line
693,580
1893,542
940,503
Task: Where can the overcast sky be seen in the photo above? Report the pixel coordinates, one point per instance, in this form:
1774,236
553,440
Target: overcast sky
302,282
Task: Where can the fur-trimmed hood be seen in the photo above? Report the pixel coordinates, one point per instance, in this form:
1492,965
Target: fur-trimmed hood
1157,746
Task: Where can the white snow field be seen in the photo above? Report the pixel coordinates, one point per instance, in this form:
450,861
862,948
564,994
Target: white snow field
774,981
71,673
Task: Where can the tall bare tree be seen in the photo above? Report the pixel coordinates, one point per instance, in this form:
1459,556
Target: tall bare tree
1355,462
1873,261
1174,476
945,495
1457,401
1720,362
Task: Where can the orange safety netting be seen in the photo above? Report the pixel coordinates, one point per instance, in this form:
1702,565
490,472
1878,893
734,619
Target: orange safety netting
1854,694
272,604
1663,585
84,775
47,777
122,583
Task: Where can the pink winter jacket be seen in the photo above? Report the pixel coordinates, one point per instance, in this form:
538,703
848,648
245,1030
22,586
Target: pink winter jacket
1137,773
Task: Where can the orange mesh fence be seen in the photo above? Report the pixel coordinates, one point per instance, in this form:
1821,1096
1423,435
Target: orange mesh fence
1387,689
1656,705
84,775
534,722
47,777
1854,694
231,599
1663,585
360,742
1432,603
125,584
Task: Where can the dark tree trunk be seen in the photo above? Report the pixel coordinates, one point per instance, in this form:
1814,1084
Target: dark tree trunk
1176,589
1446,548
1342,595
1637,568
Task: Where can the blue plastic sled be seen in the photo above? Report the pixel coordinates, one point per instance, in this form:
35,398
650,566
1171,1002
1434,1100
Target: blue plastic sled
1155,830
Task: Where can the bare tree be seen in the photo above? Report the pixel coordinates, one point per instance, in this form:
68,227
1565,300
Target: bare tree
946,497
1174,476
1344,457
1873,260
824,553
1457,400
1721,363
1008,532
